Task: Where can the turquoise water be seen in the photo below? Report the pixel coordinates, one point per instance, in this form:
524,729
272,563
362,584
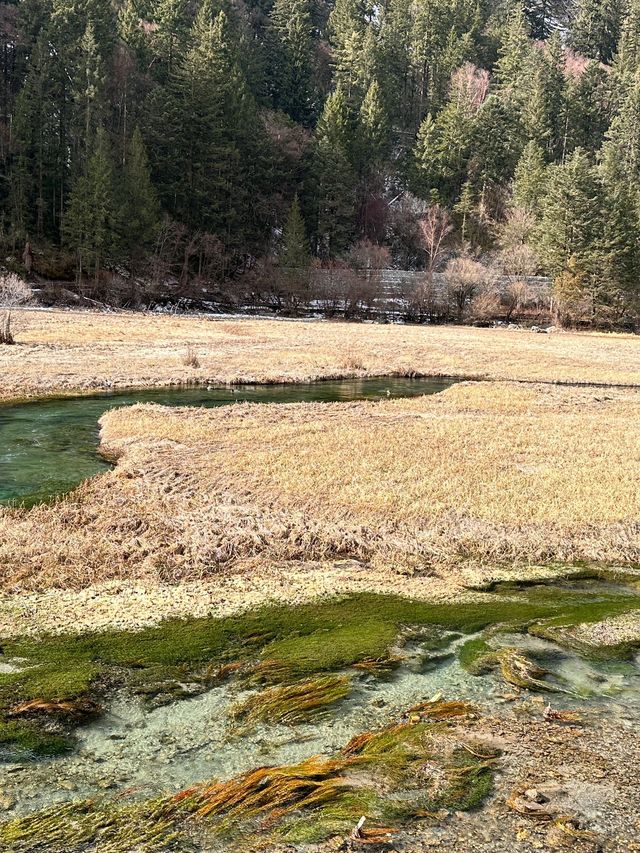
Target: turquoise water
50,446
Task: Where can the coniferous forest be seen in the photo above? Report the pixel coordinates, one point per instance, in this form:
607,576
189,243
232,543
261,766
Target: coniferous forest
233,146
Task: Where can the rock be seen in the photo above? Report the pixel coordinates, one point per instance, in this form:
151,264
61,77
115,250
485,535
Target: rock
534,796
6,802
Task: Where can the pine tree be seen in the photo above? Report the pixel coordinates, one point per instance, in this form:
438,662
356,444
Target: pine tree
621,151
544,111
571,228
130,29
295,253
374,130
170,36
291,56
530,178
544,16
87,95
514,66
596,28
627,60
138,213
587,109
334,181
89,220
336,122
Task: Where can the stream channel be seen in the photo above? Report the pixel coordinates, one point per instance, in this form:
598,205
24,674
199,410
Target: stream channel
164,718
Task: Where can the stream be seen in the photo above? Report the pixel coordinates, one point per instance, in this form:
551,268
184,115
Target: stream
143,744
48,447
145,749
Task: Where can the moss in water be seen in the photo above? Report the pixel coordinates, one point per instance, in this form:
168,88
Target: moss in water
28,741
277,644
471,652
379,775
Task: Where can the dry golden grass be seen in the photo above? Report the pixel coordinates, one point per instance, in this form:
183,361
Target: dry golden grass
483,475
64,351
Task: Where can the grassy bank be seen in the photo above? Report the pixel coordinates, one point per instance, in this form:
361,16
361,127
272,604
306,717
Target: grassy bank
481,475
62,351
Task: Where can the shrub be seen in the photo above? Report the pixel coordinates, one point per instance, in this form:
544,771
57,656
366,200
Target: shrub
465,279
14,291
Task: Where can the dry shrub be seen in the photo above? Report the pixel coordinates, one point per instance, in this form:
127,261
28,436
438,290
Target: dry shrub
353,360
515,298
14,291
191,358
465,279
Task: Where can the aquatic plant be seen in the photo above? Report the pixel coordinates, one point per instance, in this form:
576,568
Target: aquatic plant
381,775
291,704
274,646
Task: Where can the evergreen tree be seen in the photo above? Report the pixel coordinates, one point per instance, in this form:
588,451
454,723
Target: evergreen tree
587,109
544,112
138,213
295,253
89,220
334,181
571,227
170,35
514,66
205,139
291,57
596,28
87,95
530,178
374,129
627,60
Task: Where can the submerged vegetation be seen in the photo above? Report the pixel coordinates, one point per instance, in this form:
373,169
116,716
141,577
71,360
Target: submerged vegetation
297,656
404,771
291,704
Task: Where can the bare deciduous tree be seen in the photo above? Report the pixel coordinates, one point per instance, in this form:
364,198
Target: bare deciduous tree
13,292
435,227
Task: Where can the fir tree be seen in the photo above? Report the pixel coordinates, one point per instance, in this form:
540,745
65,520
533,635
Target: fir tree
291,57
295,253
596,28
373,129
530,178
138,213
627,60
571,227
334,181
89,220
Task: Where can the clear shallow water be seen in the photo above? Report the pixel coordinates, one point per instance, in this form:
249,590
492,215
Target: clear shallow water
140,751
48,447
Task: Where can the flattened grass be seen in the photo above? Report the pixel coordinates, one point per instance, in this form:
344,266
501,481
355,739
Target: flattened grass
481,475
381,776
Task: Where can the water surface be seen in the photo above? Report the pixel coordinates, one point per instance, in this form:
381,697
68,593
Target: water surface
48,447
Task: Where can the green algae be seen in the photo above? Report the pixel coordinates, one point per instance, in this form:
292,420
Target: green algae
25,740
283,644
472,652
379,775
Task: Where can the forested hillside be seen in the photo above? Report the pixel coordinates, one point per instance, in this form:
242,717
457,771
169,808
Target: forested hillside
235,145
